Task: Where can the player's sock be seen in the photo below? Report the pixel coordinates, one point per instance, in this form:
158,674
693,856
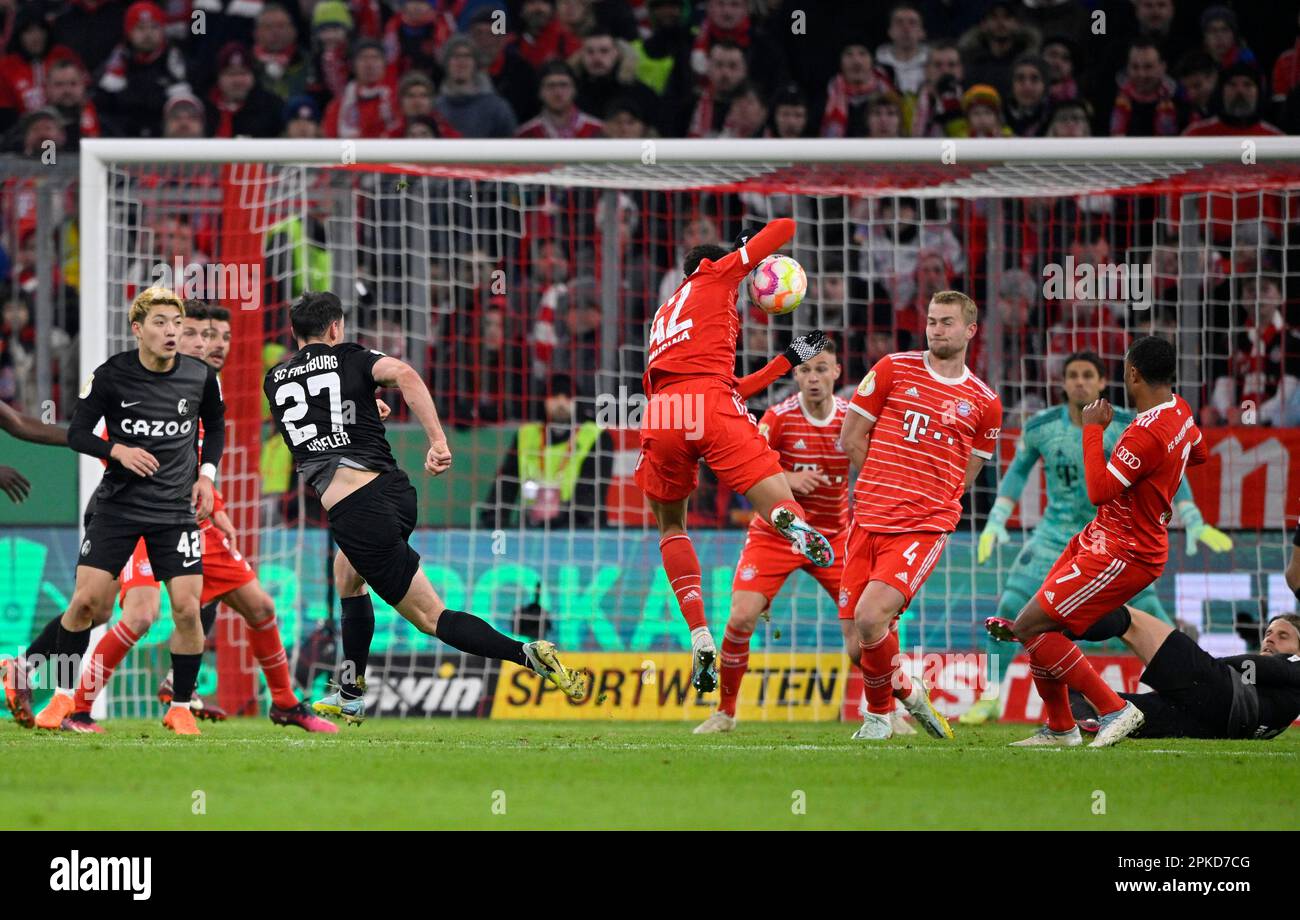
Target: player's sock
1064,661
264,637
878,673
208,617
69,648
42,646
794,506
1111,626
683,568
1056,699
735,661
357,626
105,658
185,671
469,634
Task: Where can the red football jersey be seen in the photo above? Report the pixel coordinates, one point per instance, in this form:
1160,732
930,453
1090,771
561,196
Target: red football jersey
926,428
1145,469
694,332
805,443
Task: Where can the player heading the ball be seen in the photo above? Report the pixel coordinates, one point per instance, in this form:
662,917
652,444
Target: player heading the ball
697,411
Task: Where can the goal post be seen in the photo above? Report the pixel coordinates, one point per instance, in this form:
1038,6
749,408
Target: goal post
498,268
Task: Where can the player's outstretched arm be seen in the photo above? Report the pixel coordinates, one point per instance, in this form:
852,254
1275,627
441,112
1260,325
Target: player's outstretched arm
804,348
26,428
390,372
758,247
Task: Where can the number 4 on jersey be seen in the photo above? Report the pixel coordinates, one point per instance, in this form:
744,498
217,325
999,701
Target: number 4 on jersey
658,332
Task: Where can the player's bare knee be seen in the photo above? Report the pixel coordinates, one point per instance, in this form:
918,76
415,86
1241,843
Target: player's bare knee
82,609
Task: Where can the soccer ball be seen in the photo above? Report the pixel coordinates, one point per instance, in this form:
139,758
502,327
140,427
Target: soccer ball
777,285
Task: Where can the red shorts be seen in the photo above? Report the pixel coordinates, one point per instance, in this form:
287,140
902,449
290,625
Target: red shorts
691,420
1085,585
224,569
901,560
768,559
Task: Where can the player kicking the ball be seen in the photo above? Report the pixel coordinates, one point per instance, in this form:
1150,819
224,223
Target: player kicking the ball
1055,436
227,578
323,401
696,411
921,427
1121,551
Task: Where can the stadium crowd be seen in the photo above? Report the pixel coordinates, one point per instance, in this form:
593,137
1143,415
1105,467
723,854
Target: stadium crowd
672,68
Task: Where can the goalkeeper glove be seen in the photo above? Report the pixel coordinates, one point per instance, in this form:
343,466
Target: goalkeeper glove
1200,532
994,529
805,348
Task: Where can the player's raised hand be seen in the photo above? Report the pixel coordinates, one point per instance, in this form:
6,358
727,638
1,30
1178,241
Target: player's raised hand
804,481
383,410
438,460
136,459
14,484
806,347
201,498
1098,412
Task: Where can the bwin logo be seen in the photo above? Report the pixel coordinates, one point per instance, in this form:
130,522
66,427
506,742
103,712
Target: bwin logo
103,873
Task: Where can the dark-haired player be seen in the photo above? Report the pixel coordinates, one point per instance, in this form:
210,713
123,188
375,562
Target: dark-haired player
696,411
1054,436
323,401
1122,551
155,487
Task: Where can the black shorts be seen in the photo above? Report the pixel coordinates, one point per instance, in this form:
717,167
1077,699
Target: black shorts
1193,695
372,525
174,549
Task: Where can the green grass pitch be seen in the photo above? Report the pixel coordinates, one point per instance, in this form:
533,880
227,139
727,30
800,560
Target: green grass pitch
248,773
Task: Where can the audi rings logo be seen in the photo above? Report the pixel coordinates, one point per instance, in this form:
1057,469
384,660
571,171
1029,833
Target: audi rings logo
1127,457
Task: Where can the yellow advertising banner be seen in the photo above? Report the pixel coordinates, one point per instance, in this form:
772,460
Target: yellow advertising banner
778,687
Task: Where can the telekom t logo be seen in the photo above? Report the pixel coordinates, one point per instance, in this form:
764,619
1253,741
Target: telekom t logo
916,424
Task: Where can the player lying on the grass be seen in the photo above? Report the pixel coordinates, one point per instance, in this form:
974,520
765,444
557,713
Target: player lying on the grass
1055,436
803,430
1121,551
156,487
323,401
921,428
696,411
1195,695
227,578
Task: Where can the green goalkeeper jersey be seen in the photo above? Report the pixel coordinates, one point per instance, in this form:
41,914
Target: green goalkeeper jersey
1053,437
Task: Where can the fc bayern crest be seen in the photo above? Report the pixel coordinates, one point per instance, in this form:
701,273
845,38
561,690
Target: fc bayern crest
844,596
747,573
964,408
